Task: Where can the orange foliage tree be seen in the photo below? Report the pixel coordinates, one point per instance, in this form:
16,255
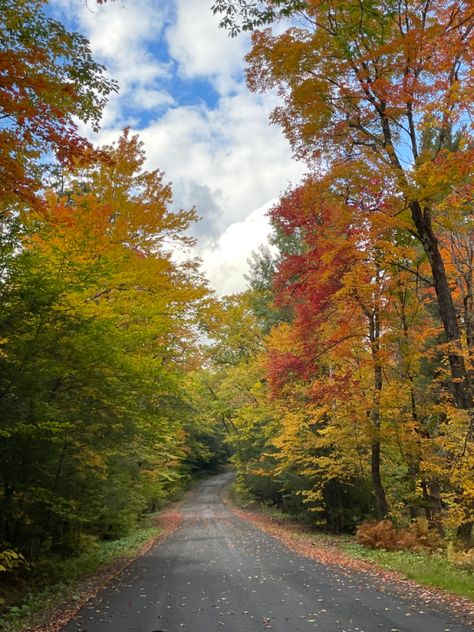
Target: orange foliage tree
357,371
49,80
384,83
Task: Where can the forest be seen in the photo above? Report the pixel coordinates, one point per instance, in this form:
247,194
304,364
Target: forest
338,386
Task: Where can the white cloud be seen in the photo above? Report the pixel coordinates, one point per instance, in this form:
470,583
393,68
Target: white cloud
231,150
202,49
222,156
119,27
225,264
123,37
148,99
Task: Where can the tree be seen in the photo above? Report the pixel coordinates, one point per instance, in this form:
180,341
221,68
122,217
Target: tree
262,296
237,397
245,15
367,82
49,80
99,327
362,331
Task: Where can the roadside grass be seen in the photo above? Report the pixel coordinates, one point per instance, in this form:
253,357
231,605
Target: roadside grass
58,581
427,569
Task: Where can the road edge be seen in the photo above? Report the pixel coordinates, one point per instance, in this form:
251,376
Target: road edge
55,619
294,537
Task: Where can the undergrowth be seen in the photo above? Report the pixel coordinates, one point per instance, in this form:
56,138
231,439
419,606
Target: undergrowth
429,569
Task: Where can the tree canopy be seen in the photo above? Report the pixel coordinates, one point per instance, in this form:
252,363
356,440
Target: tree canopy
339,384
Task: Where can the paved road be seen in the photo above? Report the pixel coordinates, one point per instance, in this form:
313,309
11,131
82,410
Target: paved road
219,573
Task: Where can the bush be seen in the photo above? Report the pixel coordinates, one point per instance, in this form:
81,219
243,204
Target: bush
10,559
384,535
421,536
463,559
377,535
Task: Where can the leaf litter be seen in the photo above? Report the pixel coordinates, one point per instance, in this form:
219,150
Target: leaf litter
295,537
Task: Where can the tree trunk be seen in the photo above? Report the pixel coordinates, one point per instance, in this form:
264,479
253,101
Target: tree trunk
460,382
380,498
465,533
413,460
374,330
426,501
436,506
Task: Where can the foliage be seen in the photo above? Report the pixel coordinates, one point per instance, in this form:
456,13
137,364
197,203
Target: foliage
57,582
49,82
370,90
424,568
384,535
245,15
463,559
369,376
10,560
339,383
98,325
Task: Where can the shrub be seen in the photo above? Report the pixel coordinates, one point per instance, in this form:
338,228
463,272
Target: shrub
420,536
463,559
377,535
10,559
384,535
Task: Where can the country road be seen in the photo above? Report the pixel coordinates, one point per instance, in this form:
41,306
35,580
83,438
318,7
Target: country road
218,572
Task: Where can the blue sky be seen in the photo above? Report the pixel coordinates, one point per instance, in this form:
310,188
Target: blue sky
182,89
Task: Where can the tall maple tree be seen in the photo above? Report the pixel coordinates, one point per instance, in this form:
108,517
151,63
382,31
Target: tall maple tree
385,83
355,391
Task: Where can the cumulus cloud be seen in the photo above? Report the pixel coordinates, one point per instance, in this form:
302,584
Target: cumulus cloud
187,194
231,150
225,263
201,49
123,36
182,89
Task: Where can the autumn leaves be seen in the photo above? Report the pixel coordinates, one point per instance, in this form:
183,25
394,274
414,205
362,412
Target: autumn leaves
342,378
372,377
98,323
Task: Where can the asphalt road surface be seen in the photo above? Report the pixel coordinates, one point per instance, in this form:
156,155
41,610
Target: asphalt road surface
219,573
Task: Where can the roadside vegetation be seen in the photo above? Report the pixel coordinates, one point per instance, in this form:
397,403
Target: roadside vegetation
434,569
346,369
438,567
57,583
100,327
339,385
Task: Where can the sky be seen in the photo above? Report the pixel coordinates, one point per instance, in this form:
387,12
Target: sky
182,89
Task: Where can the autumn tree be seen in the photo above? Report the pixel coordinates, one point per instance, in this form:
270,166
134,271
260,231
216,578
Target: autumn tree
49,82
369,82
99,326
336,367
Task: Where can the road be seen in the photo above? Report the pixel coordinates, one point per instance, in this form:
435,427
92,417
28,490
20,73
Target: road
218,572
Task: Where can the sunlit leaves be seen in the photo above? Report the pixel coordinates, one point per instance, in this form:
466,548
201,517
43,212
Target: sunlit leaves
100,326
245,15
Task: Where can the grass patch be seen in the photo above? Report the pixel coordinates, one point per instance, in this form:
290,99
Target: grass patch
56,582
424,568
246,501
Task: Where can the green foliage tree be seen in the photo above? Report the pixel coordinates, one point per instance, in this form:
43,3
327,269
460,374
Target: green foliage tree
98,326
